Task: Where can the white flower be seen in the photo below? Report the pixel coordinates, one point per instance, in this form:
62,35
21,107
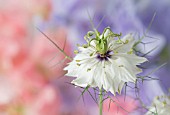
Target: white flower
106,61
160,106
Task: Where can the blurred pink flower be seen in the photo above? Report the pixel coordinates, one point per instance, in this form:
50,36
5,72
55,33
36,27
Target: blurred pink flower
25,73
30,7
16,22
41,102
46,102
119,107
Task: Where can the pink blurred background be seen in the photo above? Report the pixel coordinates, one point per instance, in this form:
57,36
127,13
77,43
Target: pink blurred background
32,79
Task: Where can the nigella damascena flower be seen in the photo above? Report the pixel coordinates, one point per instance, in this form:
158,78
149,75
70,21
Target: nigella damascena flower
106,61
160,106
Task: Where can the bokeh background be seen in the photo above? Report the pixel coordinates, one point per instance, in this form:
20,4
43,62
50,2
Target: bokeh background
32,80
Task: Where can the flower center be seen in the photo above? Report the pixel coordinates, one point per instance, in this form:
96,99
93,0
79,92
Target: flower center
104,56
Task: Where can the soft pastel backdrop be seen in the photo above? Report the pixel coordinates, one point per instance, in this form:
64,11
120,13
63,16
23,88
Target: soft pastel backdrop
32,80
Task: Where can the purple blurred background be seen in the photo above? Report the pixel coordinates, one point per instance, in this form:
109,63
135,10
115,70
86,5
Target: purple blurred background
32,80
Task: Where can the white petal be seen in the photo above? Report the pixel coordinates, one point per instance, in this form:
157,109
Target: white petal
121,71
98,74
81,81
114,87
107,81
120,86
87,50
71,69
126,46
132,58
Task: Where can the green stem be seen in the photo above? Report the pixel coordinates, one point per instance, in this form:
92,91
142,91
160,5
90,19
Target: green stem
101,102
